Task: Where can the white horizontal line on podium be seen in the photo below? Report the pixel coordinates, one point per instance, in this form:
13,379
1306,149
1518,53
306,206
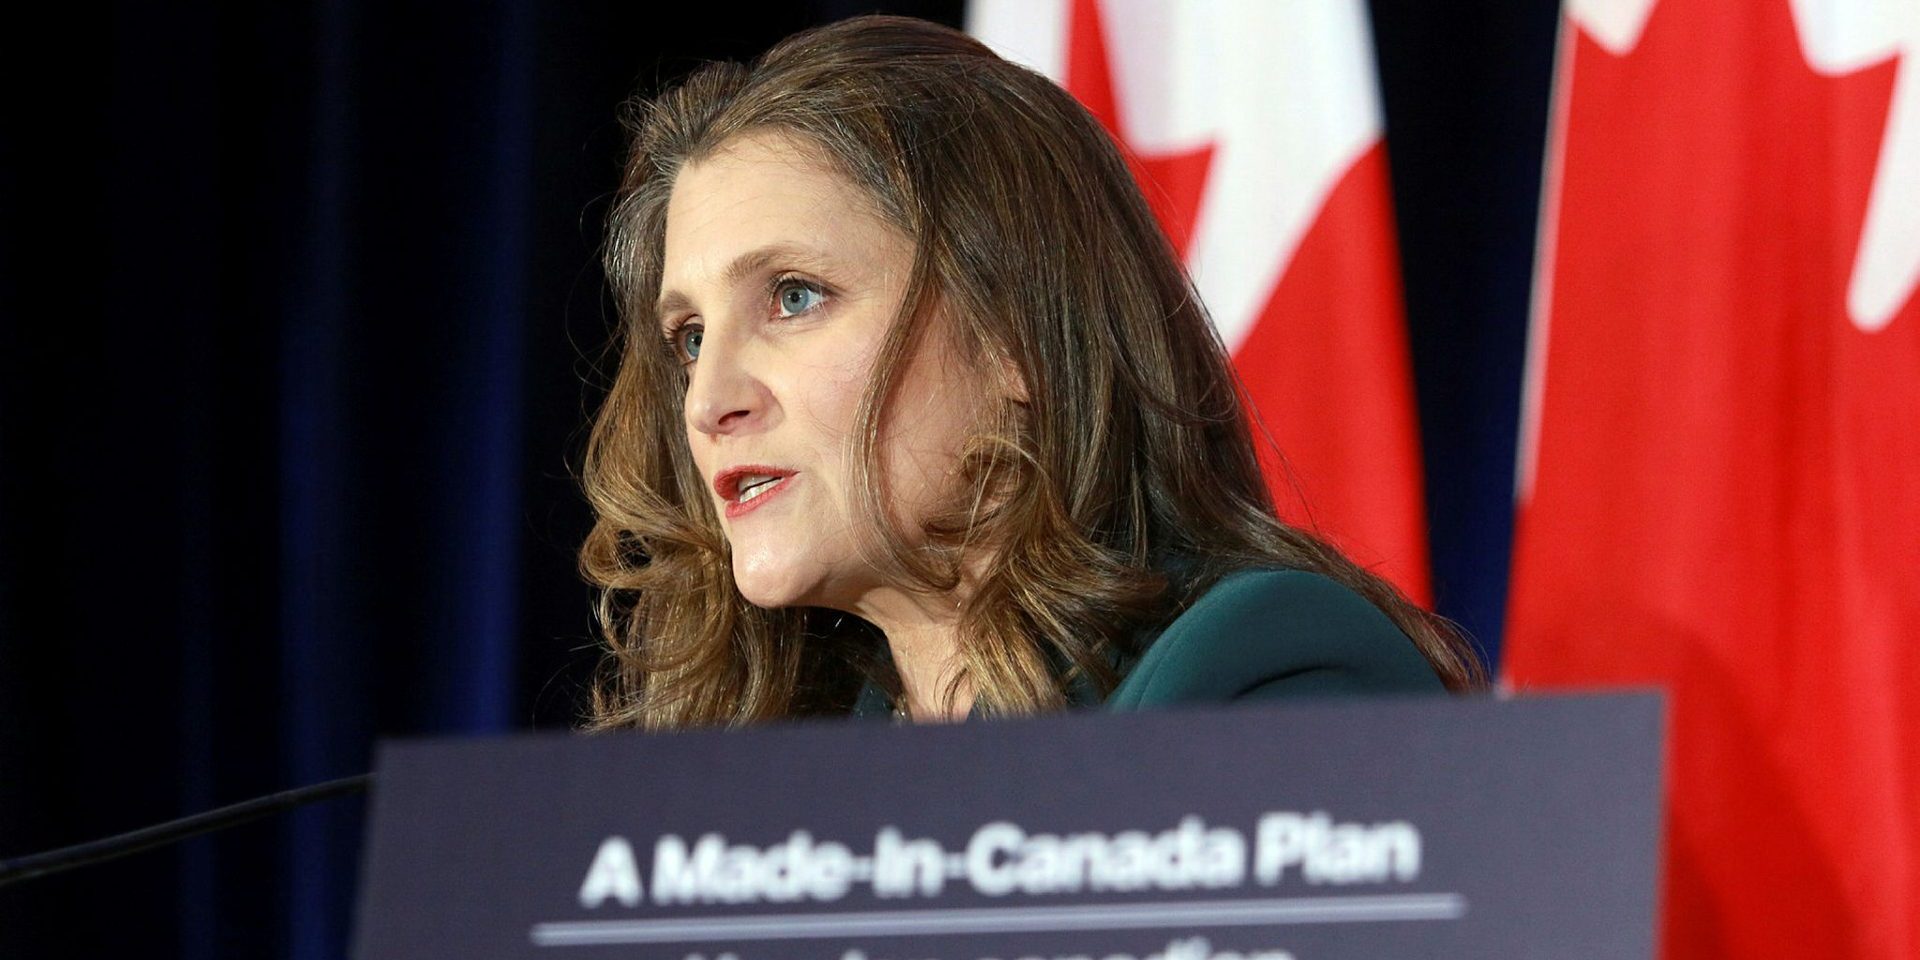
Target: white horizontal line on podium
978,920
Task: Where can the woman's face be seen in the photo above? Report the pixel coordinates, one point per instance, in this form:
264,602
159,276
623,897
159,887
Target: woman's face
778,288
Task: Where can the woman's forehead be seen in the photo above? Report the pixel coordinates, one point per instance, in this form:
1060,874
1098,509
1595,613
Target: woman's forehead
761,193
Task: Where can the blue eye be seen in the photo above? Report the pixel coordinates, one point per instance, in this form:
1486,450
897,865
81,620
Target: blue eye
794,297
684,341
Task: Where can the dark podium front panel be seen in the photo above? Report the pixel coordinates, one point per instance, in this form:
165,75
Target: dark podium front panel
1375,828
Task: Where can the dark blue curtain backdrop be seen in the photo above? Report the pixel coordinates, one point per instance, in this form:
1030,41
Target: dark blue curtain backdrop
299,332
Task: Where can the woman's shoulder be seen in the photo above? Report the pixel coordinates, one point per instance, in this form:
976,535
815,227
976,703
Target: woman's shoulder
1272,634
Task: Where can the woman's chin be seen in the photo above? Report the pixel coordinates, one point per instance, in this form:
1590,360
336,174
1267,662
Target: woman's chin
790,577
769,588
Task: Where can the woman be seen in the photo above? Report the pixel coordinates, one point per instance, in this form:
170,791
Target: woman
918,414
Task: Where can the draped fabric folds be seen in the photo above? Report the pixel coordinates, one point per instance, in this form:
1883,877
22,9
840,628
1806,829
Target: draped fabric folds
266,492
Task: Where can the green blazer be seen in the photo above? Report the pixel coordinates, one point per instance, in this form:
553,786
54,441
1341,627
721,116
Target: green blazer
1259,635
1274,634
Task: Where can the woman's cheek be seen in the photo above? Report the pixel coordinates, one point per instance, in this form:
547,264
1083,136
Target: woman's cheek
830,399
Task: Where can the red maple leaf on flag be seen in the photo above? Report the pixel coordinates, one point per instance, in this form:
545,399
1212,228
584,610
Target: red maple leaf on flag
1172,182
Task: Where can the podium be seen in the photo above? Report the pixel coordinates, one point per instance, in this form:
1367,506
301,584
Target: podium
1407,827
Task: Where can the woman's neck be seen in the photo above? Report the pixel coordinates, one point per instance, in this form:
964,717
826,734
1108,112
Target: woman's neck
923,636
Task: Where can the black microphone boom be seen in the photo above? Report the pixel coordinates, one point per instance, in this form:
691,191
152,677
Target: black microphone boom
173,831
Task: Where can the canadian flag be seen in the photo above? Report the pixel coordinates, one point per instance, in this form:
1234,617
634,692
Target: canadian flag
1720,476
1254,128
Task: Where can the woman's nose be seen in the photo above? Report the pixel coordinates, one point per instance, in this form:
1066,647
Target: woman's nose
724,396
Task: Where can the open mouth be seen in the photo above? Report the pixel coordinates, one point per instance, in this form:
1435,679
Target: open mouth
744,488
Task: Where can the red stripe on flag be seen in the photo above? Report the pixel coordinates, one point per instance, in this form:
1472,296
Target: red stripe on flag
1327,368
1726,501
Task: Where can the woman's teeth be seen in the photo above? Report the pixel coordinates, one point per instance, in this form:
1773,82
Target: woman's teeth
754,488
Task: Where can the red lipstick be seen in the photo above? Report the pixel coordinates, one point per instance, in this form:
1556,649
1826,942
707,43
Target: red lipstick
745,488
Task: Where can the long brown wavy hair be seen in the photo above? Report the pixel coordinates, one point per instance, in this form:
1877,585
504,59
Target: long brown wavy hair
1120,486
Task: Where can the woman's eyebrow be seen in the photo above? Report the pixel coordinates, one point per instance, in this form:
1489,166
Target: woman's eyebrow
744,266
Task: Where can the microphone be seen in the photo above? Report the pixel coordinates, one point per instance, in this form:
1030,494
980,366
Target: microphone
174,831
